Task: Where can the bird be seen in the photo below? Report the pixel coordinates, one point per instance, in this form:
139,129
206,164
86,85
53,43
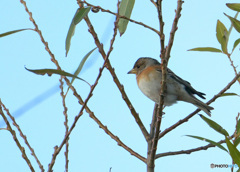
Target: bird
149,76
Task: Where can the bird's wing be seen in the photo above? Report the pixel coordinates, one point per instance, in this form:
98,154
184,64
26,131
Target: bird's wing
187,85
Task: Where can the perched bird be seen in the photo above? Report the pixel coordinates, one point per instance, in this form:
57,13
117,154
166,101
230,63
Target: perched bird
149,75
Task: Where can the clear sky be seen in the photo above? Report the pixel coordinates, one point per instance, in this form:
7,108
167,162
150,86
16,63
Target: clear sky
90,148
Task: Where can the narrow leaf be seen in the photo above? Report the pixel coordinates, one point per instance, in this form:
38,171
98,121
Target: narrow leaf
209,141
125,9
234,6
215,126
238,127
49,72
229,94
76,73
224,44
221,31
236,142
222,35
230,29
235,154
236,44
207,49
12,32
79,15
235,22
69,37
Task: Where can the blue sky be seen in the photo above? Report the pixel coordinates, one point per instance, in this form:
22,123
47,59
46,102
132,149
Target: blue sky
90,148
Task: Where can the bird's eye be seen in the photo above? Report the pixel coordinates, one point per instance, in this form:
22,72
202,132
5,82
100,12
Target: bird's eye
138,66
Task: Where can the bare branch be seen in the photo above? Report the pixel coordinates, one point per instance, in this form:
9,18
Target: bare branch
165,54
115,79
53,59
21,148
232,64
65,122
120,143
189,150
154,3
110,12
174,29
161,24
58,149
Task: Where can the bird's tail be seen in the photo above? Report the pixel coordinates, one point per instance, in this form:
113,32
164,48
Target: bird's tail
207,109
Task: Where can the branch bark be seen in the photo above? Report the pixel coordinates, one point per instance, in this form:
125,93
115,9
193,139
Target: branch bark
189,151
13,133
165,55
116,80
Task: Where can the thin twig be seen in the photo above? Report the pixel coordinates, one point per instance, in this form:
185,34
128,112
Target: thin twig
40,34
167,130
152,132
58,149
120,143
154,3
232,64
9,128
174,29
23,136
189,150
116,80
110,12
65,122
161,24
154,118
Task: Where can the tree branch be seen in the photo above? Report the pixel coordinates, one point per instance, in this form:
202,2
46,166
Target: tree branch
110,12
189,150
165,55
21,148
174,29
116,80
65,122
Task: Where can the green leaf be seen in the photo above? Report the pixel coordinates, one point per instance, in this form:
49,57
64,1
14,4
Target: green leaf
207,49
234,6
235,154
215,126
238,127
230,29
49,72
76,73
125,9
222,35
224,44
235,22
79,15
209,141
229,94
236,44
12,32
221,31
236,142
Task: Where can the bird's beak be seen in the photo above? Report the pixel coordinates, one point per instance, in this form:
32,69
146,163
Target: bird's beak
133,71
